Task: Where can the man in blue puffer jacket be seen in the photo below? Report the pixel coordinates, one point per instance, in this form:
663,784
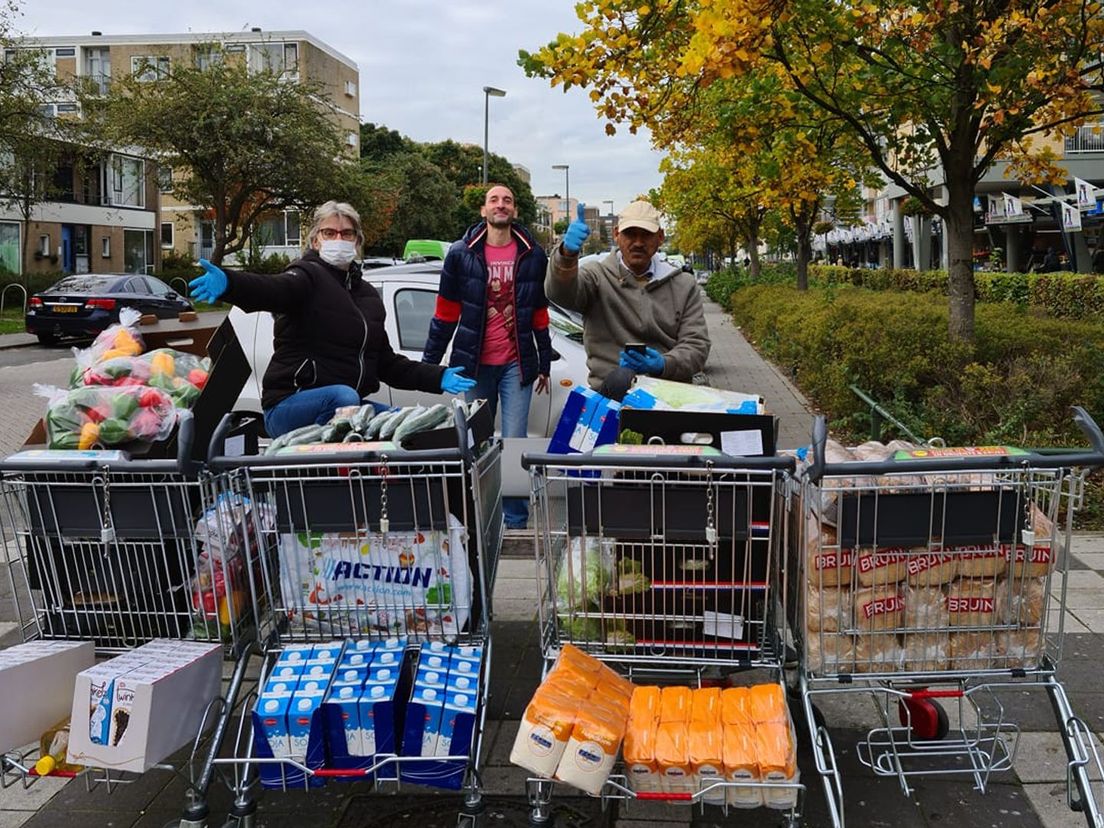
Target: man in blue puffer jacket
492,298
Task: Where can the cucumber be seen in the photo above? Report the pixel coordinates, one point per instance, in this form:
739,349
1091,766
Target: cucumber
396,421
281,441
313,434
363,416
431,418
340,428
353,437
372,430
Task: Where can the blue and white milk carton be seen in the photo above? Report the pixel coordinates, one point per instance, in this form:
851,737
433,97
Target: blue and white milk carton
377,718
343,718
270,716
288,673
395,644
463,683
457,724
355,659
423,721
428,677
463,667
388,658
295,655
350,676
326,653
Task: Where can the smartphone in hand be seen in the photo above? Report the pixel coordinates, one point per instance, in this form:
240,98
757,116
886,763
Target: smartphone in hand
635,347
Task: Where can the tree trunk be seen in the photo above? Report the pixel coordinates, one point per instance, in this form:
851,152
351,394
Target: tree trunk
753,254
804,227
958,231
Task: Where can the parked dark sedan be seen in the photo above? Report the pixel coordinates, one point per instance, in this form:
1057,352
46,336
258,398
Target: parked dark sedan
86,304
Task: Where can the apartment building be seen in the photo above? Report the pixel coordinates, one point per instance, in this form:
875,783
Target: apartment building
123,215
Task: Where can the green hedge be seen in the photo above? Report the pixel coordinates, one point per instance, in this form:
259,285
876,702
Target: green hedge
723,283
1066,295
1016,386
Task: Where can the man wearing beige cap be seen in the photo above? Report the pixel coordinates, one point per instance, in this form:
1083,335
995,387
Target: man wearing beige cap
641,315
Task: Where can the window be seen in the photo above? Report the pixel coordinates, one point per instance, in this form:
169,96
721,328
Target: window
291,220
105,247
277,58
138,251
207,55
279,230
125,182
43,245
350,89
157,287
97,69
149,67
9,247
164,178
66,51
351,139
135,285
166,234
413,313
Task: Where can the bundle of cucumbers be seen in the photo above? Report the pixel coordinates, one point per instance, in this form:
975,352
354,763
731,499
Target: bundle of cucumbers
363,424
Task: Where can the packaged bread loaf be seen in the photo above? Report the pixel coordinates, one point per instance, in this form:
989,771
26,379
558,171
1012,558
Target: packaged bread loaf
672,752
878,653
975,651
971,602
978,561
882,566
827,565
767,703
592,748
638,752
930,568
878,608
777,757
736,707
644,705
1021,648
741,764
1021,601
706,748
827,609
926,652
674,704
705,705
829,653
925,609
1037,559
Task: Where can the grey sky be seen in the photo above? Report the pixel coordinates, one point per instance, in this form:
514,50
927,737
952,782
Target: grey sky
423,65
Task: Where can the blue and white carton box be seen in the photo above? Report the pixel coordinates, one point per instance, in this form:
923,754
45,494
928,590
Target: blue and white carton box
457,724
423,721
471,652
388,658
434,661
326,653
286,672
463,667
341,713
295,655
431,678
356,659
463,682
350,676
270,718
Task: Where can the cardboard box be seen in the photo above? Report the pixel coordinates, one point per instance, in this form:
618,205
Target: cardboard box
155,710
36,683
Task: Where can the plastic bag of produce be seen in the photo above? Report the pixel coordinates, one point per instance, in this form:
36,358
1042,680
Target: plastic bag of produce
118,340
586,573
93,416
180,374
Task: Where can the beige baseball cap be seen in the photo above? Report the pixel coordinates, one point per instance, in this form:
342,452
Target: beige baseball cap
639,214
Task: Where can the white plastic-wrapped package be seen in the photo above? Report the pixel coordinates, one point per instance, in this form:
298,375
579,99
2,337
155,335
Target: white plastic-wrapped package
925,609
926,652
829,653
878,653
878,609
971,602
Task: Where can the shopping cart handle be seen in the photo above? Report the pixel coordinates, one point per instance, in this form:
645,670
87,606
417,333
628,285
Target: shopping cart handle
659,796
718,462
1089,428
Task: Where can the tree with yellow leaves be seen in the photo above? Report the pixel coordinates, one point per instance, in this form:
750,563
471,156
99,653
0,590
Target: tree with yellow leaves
935,90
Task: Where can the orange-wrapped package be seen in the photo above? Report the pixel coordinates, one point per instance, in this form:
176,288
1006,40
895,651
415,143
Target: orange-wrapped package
741,764
644,705
672,752
705,741
767,703
705,705
674,704
777,758
735,706
592,748
638,752
544,731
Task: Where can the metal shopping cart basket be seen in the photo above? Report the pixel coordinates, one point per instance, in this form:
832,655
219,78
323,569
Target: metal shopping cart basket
381,560
687,542
939,574
101,547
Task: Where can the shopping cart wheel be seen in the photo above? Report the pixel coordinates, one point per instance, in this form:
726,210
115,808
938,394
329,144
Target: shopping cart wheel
927,718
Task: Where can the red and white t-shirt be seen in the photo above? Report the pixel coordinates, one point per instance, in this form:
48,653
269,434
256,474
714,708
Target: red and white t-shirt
500,337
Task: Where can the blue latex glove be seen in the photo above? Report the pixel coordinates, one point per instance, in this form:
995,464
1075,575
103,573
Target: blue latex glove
649,362
453,381
576,234
211,285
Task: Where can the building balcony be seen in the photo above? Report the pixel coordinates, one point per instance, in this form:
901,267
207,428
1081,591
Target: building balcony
1088,138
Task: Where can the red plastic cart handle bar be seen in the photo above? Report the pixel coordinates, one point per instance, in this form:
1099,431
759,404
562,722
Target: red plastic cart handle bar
62,774
340,773
665,797
936,694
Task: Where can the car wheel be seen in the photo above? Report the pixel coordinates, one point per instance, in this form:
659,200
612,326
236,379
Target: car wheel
47,338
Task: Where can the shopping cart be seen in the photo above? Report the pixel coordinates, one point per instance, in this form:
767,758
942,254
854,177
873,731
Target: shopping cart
938,575
664,561
101,547
360,544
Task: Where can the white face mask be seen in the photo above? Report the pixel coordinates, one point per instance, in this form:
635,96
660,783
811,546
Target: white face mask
338,252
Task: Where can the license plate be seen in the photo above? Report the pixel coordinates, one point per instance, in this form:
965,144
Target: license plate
64,308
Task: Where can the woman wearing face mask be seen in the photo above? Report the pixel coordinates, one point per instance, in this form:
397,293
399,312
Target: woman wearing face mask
330,347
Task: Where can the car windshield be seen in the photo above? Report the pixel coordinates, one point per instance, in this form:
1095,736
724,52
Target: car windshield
84,284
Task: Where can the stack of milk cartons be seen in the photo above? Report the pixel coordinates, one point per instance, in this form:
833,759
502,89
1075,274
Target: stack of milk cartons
285,720
119,717
36,682
377,710
440,718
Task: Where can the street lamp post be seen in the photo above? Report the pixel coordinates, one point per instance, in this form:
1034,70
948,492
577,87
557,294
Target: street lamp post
567,189
488,91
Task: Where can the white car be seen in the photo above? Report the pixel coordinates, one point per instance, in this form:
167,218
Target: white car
409,293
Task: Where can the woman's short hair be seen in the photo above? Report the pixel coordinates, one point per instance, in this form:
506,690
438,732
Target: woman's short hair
334,208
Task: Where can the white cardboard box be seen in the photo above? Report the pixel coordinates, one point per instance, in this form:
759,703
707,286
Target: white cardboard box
36,683
163,703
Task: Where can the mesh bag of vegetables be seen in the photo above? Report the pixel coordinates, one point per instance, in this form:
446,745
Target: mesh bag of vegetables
181,375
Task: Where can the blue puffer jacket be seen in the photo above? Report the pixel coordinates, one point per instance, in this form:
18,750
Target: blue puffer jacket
462,305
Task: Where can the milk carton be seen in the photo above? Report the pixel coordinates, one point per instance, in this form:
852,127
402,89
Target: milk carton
395,644
428,677
271,722
463,667
318,673
346,701
355,659
423,721
300,714
457,724
287,673
350,676
379,674
327,654
431,661
463,683
295,655
471,652
435,648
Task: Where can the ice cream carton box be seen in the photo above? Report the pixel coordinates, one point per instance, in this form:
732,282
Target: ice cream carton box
152,713
36,683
